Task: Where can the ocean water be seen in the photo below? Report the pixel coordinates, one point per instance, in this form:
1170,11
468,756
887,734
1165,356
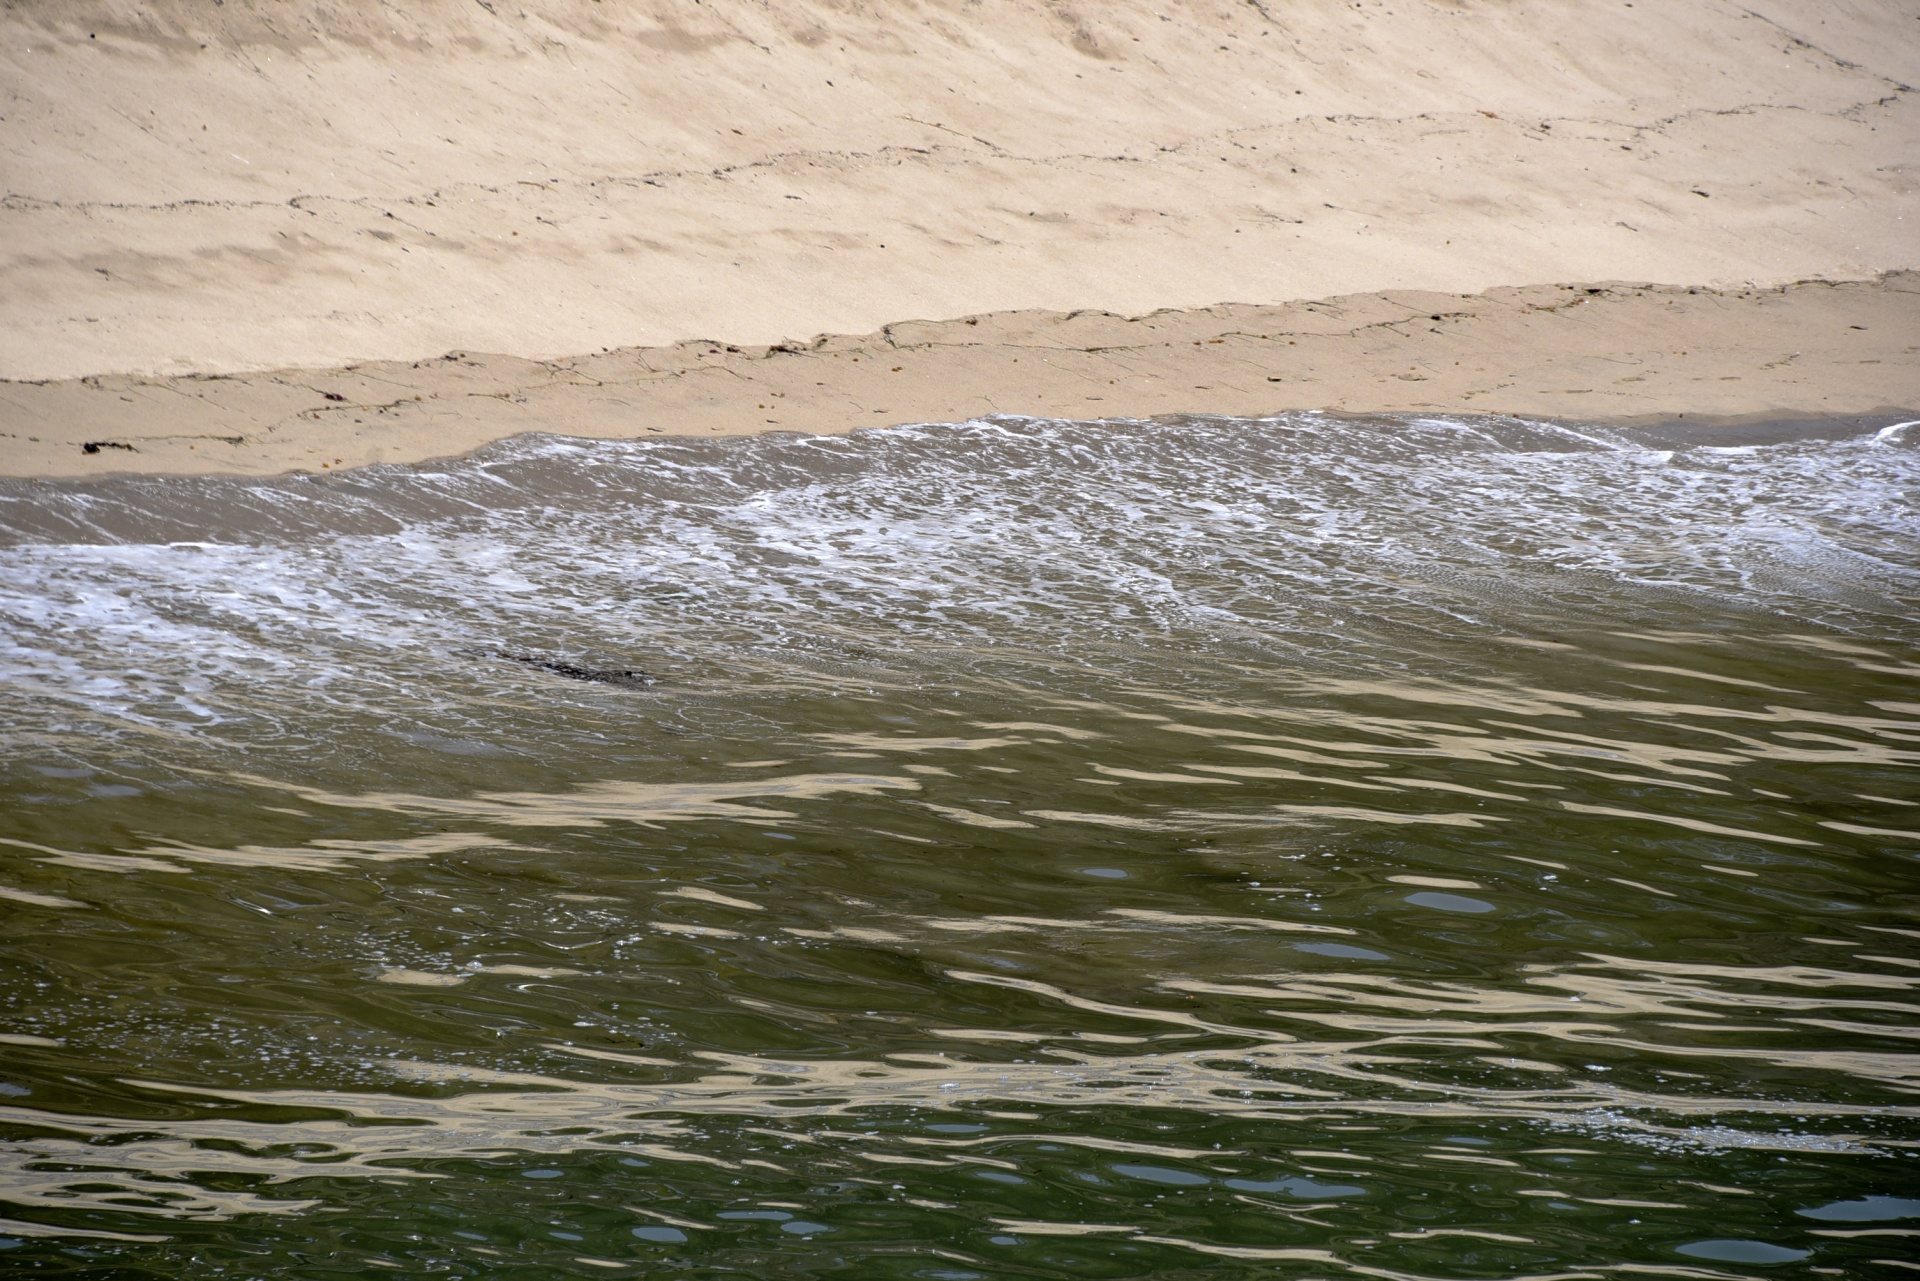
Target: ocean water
1299,847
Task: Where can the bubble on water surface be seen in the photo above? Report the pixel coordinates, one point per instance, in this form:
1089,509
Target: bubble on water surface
1738,1251
1449,902
1346,951
661,1235
1868,1209
1306,1189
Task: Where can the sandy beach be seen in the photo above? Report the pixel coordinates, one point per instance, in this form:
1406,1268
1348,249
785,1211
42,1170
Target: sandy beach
945,640
246,237
1591,353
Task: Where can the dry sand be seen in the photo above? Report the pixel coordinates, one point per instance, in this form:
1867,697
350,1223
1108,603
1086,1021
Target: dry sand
197,189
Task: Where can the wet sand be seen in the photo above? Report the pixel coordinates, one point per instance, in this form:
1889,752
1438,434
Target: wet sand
217,216
1595,353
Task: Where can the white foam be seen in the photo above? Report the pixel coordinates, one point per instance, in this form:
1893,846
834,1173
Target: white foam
316,603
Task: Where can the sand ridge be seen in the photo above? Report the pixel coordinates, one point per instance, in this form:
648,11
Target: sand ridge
1593,353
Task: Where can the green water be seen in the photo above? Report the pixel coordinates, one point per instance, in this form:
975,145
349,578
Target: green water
1298,848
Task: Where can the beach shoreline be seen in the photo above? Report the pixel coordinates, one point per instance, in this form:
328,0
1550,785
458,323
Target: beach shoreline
252,238
1595,353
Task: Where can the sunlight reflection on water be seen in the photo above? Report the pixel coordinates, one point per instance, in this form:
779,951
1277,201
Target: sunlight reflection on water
1412,848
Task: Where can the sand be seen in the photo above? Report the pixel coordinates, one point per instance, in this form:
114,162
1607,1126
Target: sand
1590,353
212,211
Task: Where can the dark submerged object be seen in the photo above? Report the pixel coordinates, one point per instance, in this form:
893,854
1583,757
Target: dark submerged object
624,677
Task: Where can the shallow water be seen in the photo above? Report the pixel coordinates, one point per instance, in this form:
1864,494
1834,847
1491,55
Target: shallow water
1304,847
